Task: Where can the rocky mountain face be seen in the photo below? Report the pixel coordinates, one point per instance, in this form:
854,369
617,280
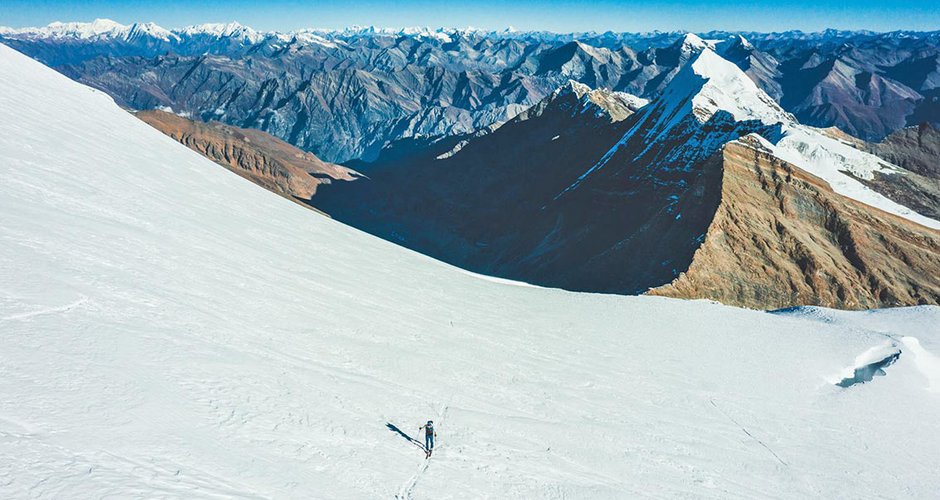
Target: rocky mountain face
347,94
691,195
252,154
781,237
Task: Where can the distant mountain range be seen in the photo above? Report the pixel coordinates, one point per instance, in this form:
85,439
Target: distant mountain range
347,94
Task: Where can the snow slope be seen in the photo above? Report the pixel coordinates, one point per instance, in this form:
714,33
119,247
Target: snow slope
168,329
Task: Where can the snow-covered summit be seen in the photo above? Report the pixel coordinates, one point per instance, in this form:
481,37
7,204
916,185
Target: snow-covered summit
616,105
224,30
150,30
99,28
692,41
106,29
742,42
309,37
689,45
711,84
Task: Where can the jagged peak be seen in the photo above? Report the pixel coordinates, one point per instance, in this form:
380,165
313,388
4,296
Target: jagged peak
309,37
693,41
571,87
743,42
150,29
577,98
218,29
617,105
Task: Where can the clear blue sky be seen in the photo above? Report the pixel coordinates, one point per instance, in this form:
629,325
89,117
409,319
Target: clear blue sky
559,16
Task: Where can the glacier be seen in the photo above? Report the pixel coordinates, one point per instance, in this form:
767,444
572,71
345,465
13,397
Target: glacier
168,329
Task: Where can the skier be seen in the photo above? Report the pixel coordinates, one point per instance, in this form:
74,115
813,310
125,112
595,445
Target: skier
429,436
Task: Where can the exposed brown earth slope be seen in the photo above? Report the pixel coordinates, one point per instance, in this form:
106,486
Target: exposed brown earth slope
782,237
252,154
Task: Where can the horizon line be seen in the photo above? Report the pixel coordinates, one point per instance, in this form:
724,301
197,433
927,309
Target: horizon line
507,29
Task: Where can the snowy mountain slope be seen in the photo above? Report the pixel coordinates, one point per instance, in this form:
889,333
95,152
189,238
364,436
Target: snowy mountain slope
169,329
711,101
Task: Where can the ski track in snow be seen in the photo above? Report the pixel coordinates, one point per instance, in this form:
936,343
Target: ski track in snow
404,493
755,438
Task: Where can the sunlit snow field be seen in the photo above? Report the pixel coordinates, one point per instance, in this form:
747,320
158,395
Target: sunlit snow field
168,329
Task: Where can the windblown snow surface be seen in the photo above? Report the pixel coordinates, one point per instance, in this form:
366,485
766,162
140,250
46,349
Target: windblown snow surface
168,329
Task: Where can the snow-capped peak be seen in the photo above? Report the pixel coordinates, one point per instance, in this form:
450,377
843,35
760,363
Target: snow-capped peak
419,32
618,105
694,41
710,84
223,30
572,86
679,130
726,88
151,30
311,37
743,42
97,29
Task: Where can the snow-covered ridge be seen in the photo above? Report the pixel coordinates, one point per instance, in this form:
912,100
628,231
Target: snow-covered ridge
841,165
220,30
104,29
709,85
107,27
726,88
97,29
